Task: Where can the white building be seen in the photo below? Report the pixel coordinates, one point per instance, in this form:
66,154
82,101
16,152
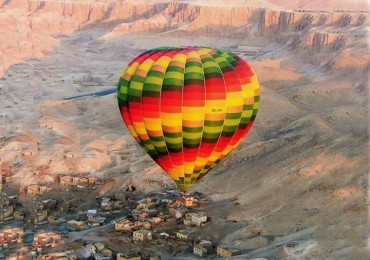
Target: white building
198,218
91,248
199,251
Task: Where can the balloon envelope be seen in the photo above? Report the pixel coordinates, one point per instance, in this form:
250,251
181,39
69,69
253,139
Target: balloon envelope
188,107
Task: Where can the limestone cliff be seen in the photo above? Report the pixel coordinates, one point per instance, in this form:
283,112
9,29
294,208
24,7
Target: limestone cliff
29,28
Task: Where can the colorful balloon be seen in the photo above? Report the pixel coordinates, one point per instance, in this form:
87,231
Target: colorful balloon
188,107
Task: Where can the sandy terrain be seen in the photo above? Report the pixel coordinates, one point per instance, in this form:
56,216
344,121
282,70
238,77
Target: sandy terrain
301,174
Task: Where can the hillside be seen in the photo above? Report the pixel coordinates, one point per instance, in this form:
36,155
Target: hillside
301,174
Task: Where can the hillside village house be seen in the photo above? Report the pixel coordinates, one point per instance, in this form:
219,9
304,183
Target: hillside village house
45,204
202,247
19,215
123,225
187,222
176,213
142,205
99,246
11,236
6,212
99,251
93,180
162,235
51,256
33,189
187,219
185,234
6,200
152,212
142,235
143,216
46,239
78,225
107,204
75,180
107,252
163,217
227,252
66,180
99,256
91,213
91,248
187,200
128,256
96,221
147,225
69,180
21,253
84,180
199,251
188,215
13,199
38,216
43,189
206,244
198,218
137,225
118,204
53,220
155,220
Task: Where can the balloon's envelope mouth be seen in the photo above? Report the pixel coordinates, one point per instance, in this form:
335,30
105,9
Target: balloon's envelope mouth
184,187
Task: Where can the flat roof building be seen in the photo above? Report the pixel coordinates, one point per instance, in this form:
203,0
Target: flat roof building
226,252
142,235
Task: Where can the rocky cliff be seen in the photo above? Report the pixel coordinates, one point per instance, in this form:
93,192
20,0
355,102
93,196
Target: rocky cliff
30,28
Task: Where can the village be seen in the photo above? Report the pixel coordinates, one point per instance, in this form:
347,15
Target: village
37,224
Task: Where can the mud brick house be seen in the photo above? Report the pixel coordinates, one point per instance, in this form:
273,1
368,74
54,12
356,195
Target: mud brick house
198,218
128,256
142,235
46,239
227,252
185,234
123,225
11,236
199,251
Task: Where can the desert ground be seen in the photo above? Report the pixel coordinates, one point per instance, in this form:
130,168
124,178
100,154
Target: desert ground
301,174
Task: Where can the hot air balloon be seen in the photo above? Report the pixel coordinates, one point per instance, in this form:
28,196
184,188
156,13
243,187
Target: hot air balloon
188,107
